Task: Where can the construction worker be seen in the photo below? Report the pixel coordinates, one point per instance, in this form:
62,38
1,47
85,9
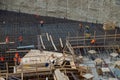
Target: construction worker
7,39
41,22
87,29
16,55
93,41
81,26
17,58
20,39
2,58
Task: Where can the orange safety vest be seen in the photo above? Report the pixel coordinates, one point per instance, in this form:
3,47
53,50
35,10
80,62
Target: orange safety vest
92,41
16,55
17,59
2,58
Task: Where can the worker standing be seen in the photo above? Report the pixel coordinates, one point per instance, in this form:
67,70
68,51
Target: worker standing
7,42
17,58
7,39
41,23
87,29
81,26
20,39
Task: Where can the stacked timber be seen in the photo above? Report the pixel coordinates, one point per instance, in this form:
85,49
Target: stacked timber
39,60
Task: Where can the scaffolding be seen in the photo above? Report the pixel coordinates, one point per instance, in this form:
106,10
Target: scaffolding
108,43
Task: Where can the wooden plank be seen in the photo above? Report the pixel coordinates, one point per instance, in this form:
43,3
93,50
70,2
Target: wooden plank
75,78
46,78
38,44
22,72
53,43
112,35
84,39
72,65
7,70
17,51
47,37
95,46
61,42
7,43
42,42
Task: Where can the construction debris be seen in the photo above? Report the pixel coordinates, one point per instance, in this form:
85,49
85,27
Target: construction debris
110,25
60,76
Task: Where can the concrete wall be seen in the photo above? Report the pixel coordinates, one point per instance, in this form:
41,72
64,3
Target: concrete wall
83,10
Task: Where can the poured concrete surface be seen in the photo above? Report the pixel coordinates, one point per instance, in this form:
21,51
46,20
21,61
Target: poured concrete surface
83,10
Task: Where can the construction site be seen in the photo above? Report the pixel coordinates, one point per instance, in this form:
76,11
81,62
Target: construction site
50,42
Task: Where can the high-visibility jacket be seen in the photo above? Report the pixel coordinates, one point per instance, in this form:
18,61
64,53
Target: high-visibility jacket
2,58
17,59
16,55
93,41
